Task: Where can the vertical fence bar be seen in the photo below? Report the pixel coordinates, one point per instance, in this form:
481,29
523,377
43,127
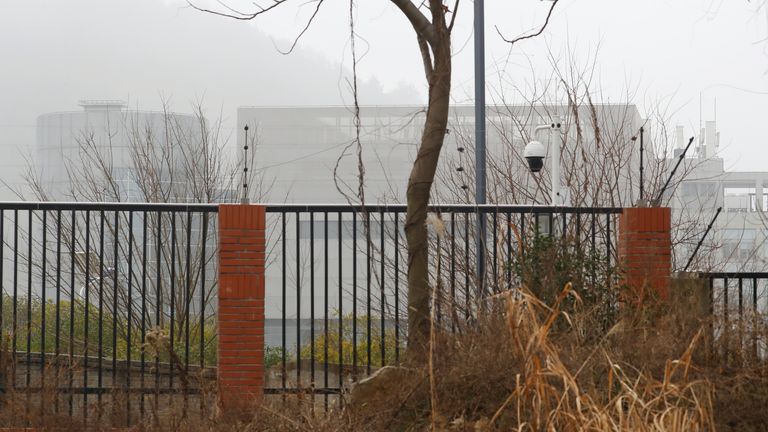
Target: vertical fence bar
203,265
727,326
397,286
368,290
466,267
298,299
437,290
312,299
564,216
86,307
2,267
593,245
187,305
578,231
129,314
608,244
551,223
579,252
72,314
741,314
57,342
100,371
508,261
116,263
284,300
172,309
44,304
158,303
382,298
453,272
496,251
755,315
143,323
754,295
354,295
341,306
522,234
481,238
15,291
740,297
29,309
325,306
712,312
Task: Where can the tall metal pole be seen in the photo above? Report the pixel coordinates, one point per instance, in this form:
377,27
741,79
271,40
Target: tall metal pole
479,102
480,184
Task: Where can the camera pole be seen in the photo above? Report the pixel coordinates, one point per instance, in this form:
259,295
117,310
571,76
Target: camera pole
556,199
555,161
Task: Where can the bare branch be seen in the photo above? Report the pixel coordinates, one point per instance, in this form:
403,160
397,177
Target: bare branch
304,30
356,107
420,23
426,57
453,17
356,121
235,14
541,30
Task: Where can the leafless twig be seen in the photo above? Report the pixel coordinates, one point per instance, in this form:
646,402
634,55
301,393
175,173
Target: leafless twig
533,35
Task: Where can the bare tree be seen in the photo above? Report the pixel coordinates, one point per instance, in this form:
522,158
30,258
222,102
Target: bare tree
600,158
432,22
163,158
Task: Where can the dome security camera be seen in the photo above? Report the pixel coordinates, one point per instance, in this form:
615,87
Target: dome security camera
534,153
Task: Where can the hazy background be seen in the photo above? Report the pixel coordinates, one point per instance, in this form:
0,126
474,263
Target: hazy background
54,53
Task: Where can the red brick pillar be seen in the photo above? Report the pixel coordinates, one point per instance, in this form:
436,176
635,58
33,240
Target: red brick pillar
645,250
241,304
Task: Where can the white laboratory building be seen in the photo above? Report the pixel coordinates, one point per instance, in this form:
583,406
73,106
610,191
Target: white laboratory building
105,144
737,240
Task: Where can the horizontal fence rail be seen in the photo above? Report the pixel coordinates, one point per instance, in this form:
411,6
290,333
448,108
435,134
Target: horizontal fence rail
108,303
336,282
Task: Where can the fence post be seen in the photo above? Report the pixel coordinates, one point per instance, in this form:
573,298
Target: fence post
241,305
645,250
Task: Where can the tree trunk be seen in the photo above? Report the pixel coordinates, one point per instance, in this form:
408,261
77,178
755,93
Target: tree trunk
418,194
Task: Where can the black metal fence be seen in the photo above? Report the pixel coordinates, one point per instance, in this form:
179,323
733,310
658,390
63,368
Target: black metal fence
739,307
110,303
109,309
336,296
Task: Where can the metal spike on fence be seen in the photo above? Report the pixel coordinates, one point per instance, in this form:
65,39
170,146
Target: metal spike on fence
245,168
701,241
674,170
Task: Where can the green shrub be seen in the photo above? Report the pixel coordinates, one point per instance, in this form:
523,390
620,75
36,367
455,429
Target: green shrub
550,262
343,350
273,356
72,334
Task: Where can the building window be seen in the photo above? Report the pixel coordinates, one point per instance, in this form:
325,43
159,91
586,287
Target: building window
738,244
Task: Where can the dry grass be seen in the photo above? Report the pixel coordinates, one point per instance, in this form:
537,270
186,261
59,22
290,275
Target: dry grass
525,366
511,373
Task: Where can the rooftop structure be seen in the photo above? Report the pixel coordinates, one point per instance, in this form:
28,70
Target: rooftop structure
108,144
739,238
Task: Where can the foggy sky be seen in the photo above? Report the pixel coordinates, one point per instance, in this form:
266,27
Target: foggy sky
55,53
143,51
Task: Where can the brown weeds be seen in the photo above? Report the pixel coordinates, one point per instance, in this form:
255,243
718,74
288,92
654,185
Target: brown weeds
522,367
